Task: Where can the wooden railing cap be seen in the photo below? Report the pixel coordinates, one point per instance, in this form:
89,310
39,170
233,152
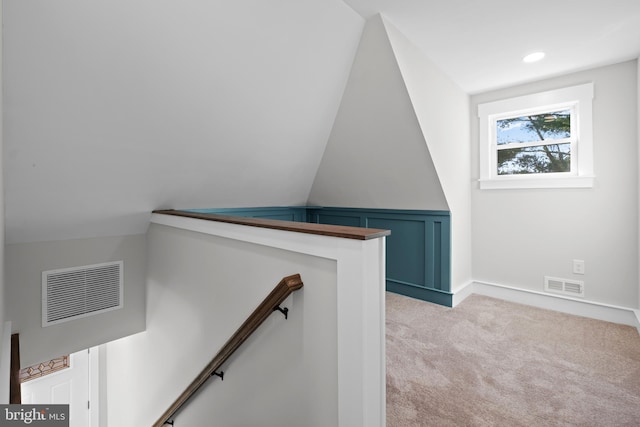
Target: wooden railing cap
341,231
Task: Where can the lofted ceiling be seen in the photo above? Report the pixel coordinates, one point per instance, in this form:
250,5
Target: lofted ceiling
480,43
113,108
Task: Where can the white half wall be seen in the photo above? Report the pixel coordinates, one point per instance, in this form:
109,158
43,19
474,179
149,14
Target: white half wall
204,279
25,264
519,236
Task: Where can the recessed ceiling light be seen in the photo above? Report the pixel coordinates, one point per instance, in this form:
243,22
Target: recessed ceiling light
533,57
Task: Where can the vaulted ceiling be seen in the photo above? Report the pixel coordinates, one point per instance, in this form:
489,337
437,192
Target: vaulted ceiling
115,108
480,44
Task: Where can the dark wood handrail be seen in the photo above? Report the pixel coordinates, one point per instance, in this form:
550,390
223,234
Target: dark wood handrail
343,231
282,290
15,394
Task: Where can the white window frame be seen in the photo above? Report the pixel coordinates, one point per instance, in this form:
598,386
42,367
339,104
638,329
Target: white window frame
576,98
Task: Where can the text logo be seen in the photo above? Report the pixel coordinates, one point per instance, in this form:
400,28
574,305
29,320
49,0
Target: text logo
34,415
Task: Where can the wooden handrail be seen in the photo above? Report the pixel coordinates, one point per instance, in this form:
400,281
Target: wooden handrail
15,394
343,231
282,290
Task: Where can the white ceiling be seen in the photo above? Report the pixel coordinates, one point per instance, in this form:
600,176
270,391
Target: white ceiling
480,44
211,104
114,108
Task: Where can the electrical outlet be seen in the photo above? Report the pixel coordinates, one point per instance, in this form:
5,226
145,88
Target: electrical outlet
578,266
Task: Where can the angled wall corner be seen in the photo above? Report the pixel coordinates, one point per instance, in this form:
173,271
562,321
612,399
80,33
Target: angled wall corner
442,111
400,139
376,156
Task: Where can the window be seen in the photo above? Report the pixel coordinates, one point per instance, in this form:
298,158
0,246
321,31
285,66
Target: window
538,141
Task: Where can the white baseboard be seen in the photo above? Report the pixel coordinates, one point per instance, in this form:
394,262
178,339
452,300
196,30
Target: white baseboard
462,293
593,310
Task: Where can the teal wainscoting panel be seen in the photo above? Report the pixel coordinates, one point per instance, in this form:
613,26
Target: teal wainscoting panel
351,221
426,294
284,213
418,249
405,249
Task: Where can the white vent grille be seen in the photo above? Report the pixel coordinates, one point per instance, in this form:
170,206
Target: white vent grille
564,286
72,293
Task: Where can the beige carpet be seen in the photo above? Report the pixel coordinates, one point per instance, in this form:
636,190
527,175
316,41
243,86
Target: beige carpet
489,362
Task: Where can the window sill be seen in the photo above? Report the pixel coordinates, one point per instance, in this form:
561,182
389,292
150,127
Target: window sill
518,182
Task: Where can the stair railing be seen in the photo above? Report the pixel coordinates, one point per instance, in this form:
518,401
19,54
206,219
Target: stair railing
270,304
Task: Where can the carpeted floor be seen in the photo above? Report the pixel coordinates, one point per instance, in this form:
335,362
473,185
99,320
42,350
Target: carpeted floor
490,362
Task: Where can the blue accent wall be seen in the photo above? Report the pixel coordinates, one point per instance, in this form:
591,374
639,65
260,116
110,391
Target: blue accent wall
285,213
418,249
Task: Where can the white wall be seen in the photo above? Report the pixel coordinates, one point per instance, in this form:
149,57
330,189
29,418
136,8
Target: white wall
203,284
200,290
5,341
376,156
25,264
115,108
519,236
5,363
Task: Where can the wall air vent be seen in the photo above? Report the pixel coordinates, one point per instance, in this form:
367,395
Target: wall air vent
564,286
72,293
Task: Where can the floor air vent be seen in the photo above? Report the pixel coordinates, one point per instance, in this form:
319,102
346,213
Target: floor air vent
72,293
564,286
